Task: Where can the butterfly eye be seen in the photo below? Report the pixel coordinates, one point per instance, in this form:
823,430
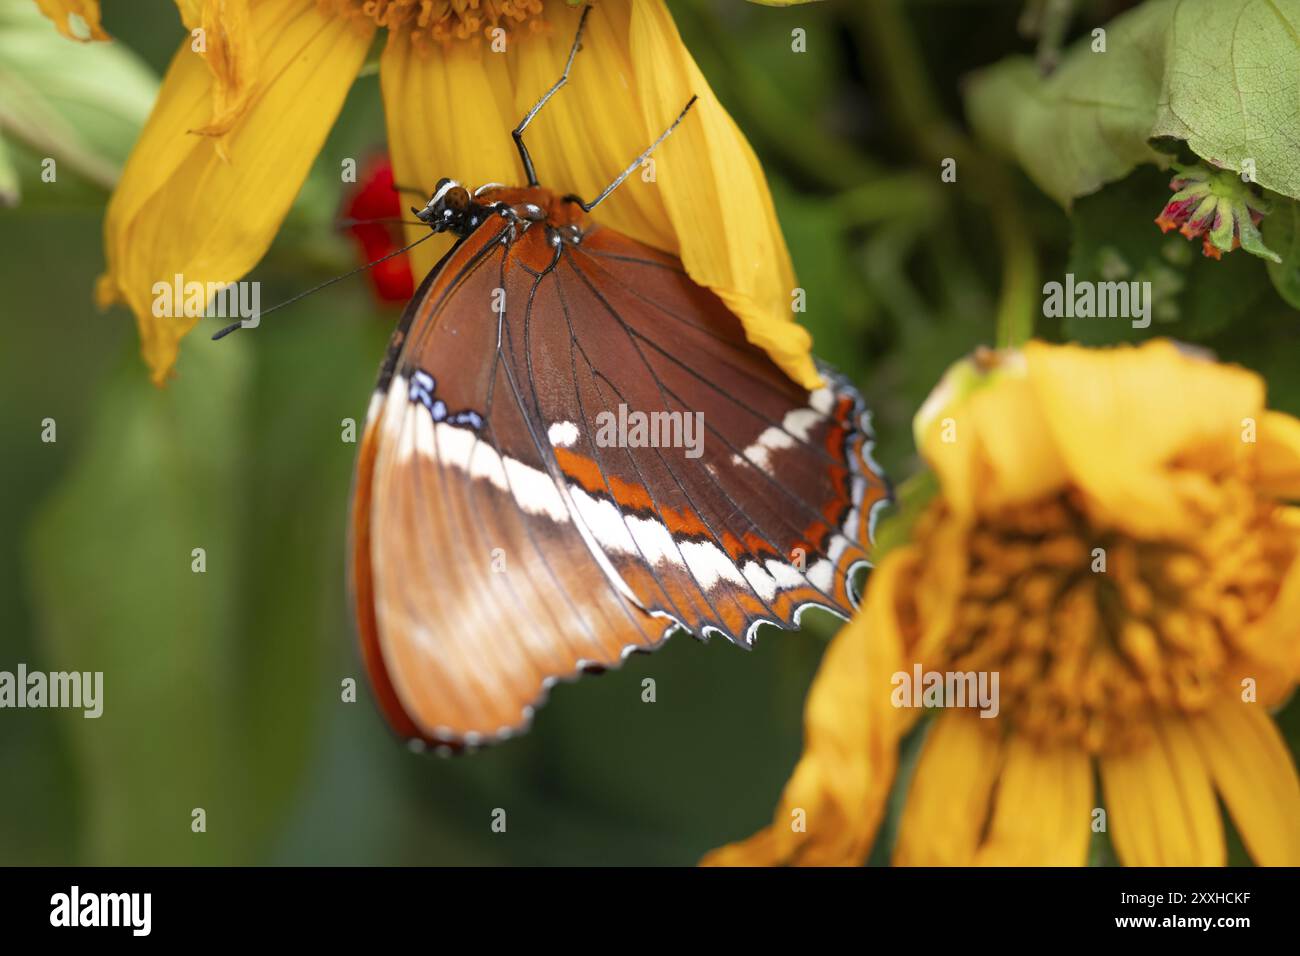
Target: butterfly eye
457,198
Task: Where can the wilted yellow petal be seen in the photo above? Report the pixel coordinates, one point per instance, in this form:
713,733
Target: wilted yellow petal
226,41
450,111
933,595
1127,426
831,808
1124,419
1160,806
948,800
1039,453
1277,455
191,12
1272,641
983,434
88,10
183,209
1256,775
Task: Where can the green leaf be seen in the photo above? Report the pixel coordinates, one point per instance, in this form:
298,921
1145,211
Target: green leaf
1281,229
1220,75
214,682
9,189
112,559
1088,123
1232,79
82,104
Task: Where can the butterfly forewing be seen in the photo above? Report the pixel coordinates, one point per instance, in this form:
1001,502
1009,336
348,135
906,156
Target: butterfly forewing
509,533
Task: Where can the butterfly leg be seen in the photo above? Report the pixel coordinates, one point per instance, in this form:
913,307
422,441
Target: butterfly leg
518,132
589,206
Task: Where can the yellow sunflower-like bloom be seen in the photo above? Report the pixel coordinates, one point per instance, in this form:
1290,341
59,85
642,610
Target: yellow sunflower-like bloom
1115,537
238,124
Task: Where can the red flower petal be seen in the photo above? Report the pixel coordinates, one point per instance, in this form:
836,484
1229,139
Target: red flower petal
375,198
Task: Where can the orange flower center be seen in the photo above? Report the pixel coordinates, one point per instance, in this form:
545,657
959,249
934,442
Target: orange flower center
445,21
1093,632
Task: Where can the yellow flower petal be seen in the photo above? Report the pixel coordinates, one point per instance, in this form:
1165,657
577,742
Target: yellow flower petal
1160,806
1277,455
1042,813
717,197
938,588
1125,419
229,48
948,801
191,12
601,127
181,208
1256,775
88,10
1272,642
448,113
707,202
987,440
851,731
1054,429
1128,426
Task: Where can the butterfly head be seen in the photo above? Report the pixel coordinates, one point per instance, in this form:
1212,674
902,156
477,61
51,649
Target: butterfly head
448,209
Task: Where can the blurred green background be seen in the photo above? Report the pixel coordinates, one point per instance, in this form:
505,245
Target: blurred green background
223,689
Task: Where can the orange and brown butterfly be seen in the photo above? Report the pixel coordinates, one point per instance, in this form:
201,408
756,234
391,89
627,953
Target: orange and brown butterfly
509,530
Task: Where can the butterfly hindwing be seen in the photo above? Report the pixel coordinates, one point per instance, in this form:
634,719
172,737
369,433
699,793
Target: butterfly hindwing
509,533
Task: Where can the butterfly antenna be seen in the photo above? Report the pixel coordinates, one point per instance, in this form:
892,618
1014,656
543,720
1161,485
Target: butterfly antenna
518,132
328,282
589,206
348,223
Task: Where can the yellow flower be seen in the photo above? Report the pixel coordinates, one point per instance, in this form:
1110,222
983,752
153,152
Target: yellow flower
1114,537
237,126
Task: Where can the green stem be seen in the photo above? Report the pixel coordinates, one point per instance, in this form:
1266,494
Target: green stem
1018,302
883,31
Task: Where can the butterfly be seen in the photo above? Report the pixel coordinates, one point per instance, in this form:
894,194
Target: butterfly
572,450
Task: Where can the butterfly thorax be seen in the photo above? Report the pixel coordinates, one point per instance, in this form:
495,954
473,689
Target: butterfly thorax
452,208
527,201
